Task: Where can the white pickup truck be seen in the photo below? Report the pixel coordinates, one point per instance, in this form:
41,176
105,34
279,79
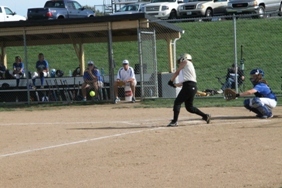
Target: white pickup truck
7,15
163,9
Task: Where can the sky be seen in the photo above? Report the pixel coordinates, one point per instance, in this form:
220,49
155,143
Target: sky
21,6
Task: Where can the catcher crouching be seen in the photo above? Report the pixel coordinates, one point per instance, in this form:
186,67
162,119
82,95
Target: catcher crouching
264,100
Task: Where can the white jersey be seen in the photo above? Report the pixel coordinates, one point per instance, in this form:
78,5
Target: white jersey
188,72
125,74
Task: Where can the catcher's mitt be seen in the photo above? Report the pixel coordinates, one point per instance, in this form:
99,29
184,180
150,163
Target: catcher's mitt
229,94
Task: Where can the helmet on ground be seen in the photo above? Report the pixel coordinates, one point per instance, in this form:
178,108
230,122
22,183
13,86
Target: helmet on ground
257,72
59,73
53,73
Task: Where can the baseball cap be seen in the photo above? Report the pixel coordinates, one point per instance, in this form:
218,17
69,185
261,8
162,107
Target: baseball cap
90,63
125,62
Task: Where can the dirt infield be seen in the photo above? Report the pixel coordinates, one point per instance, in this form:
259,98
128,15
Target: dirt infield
124,146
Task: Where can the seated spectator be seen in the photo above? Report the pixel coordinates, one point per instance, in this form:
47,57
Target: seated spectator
42,68
125,75
230,78
90,78
2,71
18,69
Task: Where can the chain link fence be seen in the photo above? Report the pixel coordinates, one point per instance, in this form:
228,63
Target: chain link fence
214,45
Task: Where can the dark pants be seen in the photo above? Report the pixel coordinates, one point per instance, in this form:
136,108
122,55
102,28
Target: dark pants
186,95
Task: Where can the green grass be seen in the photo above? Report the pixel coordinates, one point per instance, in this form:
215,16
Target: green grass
210,43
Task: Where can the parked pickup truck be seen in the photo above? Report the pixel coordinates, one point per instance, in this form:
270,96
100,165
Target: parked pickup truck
7,15
59,10
260,7
203,8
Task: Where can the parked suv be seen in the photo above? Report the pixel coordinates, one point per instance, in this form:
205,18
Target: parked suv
163,9
203,8
260,7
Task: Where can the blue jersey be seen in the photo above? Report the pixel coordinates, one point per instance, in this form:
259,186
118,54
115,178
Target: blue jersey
98,75
264,91
18,66
95,72
42,65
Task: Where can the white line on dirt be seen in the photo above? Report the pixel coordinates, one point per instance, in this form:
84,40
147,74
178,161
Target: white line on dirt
193,122
78,142
74,123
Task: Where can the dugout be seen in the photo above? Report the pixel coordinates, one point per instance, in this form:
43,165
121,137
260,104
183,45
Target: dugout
105,29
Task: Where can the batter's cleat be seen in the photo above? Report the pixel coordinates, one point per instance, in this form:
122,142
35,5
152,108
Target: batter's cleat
172,124
117,100
264,117
133,100
207,118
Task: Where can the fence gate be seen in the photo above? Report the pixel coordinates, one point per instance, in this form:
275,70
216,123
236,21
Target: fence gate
147,66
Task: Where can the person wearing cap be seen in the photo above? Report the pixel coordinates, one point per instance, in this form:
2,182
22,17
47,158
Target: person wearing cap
90,78
42,70
125,75
188,82
264,101
230,78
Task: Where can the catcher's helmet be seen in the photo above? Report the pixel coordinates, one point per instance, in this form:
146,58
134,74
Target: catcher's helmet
59,73
257,72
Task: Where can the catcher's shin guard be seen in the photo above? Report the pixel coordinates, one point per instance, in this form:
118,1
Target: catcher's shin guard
260,107
247,103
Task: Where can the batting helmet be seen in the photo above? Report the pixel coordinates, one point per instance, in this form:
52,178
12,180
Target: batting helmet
53,73
59,73
187,56
183,57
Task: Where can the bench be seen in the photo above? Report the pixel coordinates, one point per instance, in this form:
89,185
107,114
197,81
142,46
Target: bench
20,94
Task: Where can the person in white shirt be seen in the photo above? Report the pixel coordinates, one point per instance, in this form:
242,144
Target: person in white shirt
188,82
125,75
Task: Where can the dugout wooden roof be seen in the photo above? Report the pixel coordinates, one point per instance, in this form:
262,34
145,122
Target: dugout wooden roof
84,30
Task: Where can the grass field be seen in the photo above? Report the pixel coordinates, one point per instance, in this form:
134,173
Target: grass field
210,43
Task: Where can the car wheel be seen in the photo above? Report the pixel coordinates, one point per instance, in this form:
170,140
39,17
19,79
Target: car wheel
261,12
280,10
208,13
173,15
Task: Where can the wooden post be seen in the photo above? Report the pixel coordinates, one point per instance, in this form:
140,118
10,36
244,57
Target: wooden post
170,54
